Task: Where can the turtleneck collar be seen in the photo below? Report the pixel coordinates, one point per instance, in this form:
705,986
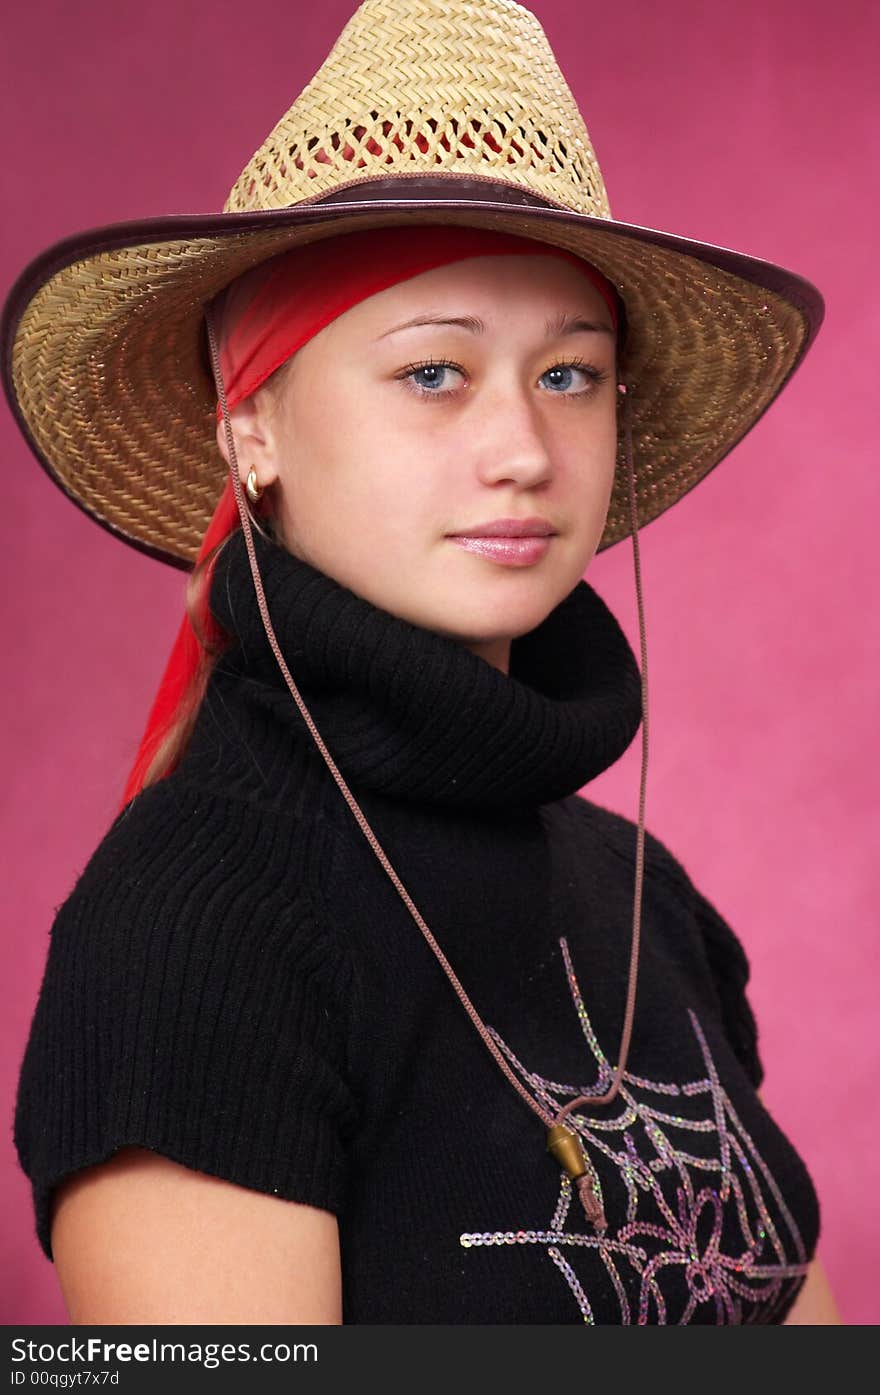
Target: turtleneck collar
413,714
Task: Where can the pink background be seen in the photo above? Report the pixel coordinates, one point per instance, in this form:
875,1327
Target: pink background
752,126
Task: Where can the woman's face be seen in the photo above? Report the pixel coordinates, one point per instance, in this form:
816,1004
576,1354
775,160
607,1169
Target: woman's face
381,445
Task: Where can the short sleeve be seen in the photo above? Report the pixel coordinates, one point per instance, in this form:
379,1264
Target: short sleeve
202,1019
730,971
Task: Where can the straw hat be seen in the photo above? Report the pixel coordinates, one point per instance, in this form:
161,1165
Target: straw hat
424,111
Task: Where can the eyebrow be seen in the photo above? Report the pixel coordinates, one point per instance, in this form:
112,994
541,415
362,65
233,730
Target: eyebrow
555,328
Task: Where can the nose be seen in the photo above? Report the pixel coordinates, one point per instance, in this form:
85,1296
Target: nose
512,446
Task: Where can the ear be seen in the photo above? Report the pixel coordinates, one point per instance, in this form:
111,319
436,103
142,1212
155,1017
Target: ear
255,440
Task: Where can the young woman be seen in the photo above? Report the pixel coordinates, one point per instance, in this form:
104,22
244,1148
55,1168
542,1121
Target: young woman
340,1022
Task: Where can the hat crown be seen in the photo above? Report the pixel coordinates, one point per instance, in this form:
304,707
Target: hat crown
415,87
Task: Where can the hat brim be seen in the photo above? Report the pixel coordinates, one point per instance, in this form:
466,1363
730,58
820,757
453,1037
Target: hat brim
105,369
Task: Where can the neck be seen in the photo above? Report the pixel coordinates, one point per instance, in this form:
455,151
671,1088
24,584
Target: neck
495,651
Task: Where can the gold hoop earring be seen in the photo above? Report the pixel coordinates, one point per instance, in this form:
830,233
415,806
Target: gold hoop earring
254,491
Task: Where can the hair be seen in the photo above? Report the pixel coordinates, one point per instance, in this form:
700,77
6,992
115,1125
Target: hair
175,739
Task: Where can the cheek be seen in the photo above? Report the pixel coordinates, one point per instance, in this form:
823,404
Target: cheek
589,459
338,487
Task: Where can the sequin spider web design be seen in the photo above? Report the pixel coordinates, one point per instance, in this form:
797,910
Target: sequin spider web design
749,1285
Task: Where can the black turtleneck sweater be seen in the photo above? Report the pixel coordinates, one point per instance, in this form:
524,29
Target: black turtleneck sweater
235,983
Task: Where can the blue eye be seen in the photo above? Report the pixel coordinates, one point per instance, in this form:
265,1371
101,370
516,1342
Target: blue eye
432,371
565,368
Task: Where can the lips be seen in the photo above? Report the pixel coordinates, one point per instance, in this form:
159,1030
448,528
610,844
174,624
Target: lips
508,551
513,542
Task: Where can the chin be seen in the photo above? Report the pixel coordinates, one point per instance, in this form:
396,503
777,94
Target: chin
488,620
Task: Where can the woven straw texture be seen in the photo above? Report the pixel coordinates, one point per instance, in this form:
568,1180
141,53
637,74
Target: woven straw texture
424,87
108,362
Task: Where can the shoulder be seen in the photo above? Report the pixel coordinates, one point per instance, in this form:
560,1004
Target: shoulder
685,912
618,836
187,889
177,836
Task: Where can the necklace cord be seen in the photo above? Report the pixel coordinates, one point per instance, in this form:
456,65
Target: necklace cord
587,1184
640,841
